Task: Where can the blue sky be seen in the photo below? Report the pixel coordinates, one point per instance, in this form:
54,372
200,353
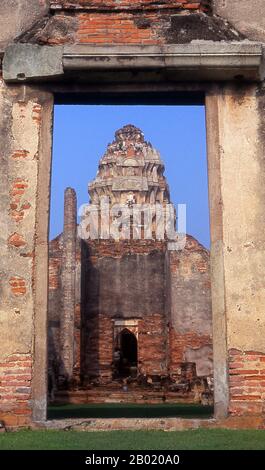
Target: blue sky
81,135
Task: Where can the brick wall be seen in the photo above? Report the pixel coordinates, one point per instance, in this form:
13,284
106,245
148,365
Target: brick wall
68,286
152,344
190,308
128,279
180,343
247,382
125,22
77,343
15,389
99,338
97,353
55,305
147,26
20,124
122,280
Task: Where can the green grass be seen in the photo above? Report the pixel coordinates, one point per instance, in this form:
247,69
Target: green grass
125,410
202,439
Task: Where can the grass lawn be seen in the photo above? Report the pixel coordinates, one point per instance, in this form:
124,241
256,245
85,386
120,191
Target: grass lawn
202,439
125,410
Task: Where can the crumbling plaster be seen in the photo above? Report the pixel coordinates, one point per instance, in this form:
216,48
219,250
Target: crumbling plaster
23,16
23,134
246,16
242,168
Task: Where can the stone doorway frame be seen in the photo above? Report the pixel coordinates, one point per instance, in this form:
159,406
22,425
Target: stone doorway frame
120,324
113,80
131,325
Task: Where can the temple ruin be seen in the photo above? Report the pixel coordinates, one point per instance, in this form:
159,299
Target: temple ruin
208,52
130,296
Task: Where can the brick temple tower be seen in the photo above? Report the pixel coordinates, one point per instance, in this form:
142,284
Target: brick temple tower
131,170
129,308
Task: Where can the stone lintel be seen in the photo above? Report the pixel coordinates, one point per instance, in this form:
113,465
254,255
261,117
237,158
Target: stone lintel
198,60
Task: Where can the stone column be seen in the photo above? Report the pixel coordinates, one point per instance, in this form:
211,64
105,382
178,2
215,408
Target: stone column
235,128
25,135
68,286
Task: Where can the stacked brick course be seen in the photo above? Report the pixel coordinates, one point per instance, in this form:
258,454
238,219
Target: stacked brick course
15,389
247,382
124,22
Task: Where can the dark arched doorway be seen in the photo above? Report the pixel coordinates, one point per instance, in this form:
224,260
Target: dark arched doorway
125,354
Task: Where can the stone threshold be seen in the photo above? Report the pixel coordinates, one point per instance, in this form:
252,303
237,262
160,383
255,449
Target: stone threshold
151,424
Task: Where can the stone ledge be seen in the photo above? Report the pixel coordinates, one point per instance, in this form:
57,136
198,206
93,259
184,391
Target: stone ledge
200,60
162,424
89,5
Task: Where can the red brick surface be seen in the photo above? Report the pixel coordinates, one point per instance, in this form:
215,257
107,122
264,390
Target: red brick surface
115,22
180,342
16,240
116,29
247,382
15,389
18,202
152,345
18,286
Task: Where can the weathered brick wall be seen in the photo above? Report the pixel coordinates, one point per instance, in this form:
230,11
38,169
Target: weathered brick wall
55,309
68,286
129,25
55,305
152,344
190,307
97,350
77,315
247,382
122,280
123,22
21,116
128,279
137,278
15,389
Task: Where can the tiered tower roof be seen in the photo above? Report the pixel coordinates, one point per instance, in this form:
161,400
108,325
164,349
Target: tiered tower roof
130,171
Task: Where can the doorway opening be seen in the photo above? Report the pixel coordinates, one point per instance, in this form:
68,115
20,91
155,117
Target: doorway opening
164,355
125,355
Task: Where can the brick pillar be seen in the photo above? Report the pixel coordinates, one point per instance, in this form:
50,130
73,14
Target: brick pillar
68,286
25,135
